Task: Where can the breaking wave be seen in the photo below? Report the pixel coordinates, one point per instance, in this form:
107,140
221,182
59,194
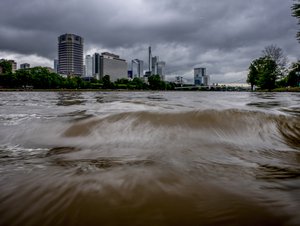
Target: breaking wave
203,126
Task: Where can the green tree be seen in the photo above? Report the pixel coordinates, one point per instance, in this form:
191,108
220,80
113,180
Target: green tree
23,78
138,83
170,85
252,78
296,13
263,72
293,78
267,74
41,78
122,81
106,82
155,83
70,83
8,80
6,66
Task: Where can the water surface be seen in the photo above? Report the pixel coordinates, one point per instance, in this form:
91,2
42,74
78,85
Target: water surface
149,158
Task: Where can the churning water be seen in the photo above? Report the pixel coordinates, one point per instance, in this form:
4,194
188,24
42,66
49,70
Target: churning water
149,158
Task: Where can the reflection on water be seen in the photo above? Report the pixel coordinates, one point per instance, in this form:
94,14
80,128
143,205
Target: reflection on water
174,158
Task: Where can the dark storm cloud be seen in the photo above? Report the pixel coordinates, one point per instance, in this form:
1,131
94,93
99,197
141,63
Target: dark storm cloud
223,36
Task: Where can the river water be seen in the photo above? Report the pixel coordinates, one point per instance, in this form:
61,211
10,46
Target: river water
149,158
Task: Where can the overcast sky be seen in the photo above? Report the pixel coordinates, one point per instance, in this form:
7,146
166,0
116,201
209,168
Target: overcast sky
222,35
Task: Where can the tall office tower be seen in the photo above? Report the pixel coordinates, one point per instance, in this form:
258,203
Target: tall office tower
96,65
150,59
70,55
113,66
24,66
199,76
141,68
137,68
154,65
55,65
88,66
160,69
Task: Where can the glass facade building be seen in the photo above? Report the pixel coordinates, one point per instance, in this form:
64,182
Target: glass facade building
96,65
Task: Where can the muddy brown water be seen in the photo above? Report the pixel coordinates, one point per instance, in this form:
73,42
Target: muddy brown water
149,158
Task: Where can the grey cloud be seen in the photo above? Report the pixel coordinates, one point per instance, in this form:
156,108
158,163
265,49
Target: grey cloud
223,35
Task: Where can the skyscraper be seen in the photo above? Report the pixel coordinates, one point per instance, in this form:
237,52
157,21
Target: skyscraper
200,77
88,66
160,69
96,65
55,64
150,59
137,67
70,55
155,60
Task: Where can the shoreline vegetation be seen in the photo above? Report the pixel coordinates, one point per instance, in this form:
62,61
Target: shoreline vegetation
270,72
265,74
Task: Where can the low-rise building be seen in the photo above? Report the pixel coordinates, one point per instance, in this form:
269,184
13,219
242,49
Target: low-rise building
25,66
13,66
179,80
113,66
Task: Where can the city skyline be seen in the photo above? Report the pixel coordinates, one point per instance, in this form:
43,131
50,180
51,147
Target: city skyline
223,37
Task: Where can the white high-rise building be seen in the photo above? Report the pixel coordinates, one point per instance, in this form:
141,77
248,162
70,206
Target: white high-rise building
160,69
88,66
149,60
137,67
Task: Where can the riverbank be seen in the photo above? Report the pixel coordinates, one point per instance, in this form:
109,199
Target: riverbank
62,90
291,89
287,89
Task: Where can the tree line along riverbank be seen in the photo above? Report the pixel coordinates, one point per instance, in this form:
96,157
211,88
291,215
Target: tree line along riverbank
264,74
